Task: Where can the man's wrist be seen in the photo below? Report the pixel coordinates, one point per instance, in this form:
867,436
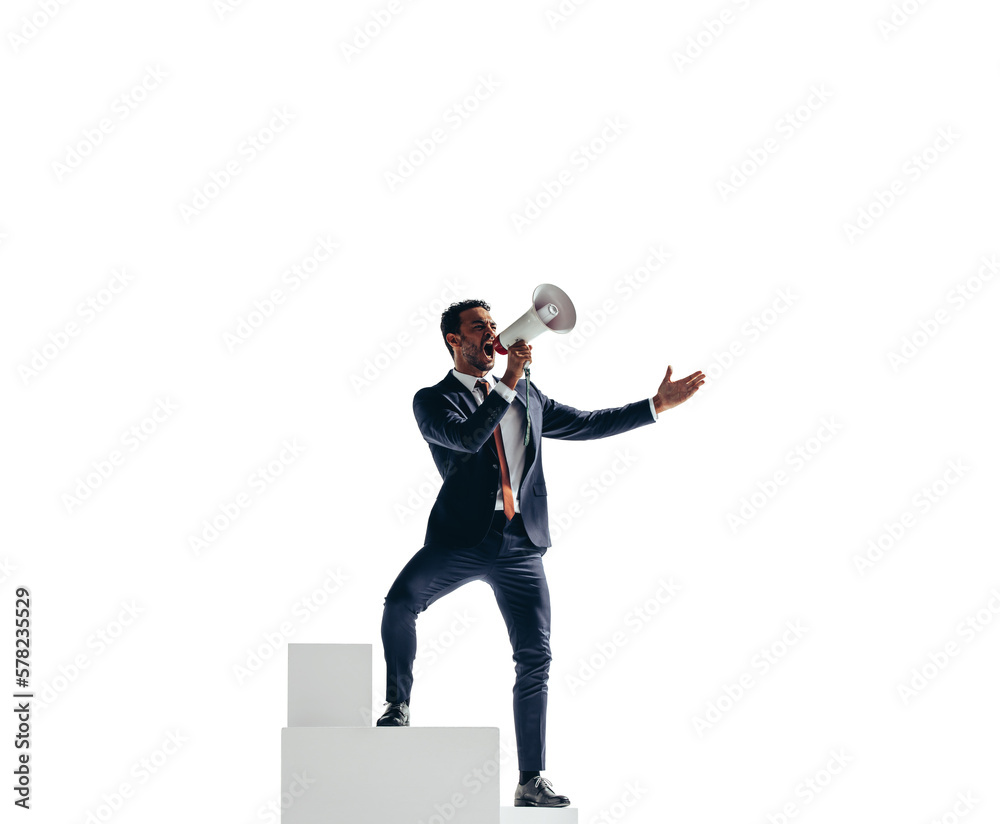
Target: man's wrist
505,391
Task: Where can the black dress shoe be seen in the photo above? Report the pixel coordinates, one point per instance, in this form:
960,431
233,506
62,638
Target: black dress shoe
538,793
395,715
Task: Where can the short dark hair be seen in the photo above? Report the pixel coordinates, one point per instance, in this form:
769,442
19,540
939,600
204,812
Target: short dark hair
451,322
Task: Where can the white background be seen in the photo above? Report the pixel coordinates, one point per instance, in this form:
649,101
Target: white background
354,501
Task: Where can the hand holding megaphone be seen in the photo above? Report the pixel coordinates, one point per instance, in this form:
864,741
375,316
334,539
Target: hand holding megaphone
550,310
518,358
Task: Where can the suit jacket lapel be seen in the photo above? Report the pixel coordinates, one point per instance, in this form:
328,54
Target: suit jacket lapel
457,388
519,391
467,402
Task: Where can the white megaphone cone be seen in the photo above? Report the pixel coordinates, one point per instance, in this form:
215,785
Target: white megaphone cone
551,309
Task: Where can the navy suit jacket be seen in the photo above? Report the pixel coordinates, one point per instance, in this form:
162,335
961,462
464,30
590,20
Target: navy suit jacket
460,436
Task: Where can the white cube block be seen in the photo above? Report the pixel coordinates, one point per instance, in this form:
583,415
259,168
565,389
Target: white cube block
391,775
329,685
538,815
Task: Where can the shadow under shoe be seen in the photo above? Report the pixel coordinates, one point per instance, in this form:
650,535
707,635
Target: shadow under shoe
395,715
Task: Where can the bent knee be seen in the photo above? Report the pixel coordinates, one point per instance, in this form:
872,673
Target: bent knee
533,658
402,599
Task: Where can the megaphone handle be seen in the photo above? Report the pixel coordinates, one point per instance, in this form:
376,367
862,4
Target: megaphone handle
527,404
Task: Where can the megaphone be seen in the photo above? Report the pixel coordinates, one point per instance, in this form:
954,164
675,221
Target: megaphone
551,309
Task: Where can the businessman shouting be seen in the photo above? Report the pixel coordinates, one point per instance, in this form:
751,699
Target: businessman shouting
490,520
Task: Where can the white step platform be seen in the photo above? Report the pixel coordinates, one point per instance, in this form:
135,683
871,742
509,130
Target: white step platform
330,685
538,815
392,775
337,767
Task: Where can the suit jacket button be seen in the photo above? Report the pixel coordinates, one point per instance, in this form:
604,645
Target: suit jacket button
495,466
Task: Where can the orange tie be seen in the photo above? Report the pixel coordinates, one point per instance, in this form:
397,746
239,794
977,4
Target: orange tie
508,493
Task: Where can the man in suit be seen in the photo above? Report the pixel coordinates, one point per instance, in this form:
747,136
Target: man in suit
490,519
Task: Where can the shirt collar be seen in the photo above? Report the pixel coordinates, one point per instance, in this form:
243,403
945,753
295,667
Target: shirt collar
469,381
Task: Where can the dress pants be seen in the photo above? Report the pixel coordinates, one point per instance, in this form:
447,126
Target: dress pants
512,565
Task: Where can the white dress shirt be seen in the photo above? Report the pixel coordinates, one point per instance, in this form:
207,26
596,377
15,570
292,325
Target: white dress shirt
511,429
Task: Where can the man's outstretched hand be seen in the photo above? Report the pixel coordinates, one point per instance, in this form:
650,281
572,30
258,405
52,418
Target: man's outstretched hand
673,393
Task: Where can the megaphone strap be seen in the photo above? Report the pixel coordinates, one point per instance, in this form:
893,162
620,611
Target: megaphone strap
527,404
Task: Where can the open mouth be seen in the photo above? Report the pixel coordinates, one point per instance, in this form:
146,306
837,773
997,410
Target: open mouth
488,349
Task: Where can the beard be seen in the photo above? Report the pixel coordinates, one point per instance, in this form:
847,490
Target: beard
473,352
